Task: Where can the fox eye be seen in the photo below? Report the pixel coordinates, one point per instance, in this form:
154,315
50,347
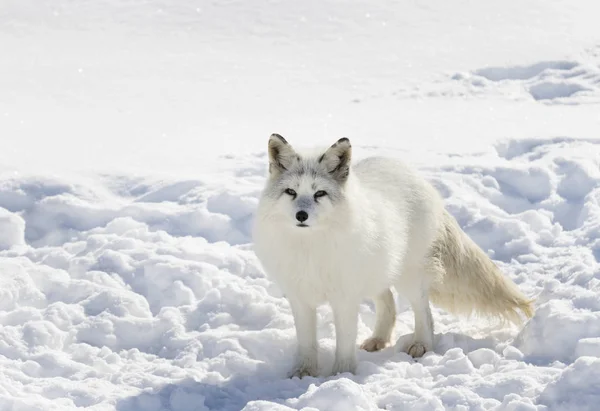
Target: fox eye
320,193
290,192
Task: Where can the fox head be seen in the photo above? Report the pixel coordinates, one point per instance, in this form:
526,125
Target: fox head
304,190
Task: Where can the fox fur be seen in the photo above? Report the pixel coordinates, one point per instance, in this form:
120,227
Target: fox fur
328,231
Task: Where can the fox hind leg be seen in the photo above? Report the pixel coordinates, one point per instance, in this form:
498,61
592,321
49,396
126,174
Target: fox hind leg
422,340
385,309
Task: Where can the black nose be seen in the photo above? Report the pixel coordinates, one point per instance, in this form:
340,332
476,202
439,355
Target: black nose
302,216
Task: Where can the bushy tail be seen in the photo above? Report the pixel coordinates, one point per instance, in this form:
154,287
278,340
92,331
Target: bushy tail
470,282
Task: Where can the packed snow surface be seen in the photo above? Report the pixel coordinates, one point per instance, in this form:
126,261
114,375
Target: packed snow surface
132,156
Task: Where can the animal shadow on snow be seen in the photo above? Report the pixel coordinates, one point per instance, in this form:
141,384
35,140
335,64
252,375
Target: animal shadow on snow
269,383
232,395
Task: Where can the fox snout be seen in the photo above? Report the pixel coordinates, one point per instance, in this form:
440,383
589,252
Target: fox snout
301,216
304,204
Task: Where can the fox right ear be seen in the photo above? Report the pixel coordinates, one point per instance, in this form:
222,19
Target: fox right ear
281,154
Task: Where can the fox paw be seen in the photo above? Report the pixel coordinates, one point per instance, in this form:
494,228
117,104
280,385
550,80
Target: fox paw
303,370
374,344
416,350
342,366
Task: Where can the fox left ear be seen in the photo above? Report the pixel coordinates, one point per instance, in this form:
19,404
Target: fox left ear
337,159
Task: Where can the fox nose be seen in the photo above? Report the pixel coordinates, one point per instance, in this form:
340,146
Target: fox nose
302,216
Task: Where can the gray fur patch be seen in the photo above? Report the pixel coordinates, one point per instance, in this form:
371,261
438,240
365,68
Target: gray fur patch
304,202
306,168
328,171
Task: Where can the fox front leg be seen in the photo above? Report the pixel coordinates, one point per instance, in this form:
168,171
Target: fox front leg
305,322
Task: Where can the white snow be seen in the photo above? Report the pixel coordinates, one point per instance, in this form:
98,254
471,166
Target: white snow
132,156
12,229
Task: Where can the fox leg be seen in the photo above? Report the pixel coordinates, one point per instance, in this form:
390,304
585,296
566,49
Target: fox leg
385,308
305,321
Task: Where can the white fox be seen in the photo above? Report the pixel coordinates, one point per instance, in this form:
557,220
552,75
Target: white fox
327,232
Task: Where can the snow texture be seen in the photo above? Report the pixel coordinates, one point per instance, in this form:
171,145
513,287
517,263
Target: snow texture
133,155
12,229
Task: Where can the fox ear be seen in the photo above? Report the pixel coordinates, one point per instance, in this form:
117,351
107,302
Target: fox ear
337,159
281,154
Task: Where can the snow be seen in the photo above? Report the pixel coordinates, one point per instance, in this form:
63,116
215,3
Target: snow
12,229
133,155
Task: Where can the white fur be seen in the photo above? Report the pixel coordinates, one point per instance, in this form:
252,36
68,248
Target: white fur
388,228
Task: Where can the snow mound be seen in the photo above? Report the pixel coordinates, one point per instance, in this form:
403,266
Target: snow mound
549,82
12,229
338,395
576,387
524,72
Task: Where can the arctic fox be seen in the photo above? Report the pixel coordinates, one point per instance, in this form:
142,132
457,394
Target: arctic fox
329,232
